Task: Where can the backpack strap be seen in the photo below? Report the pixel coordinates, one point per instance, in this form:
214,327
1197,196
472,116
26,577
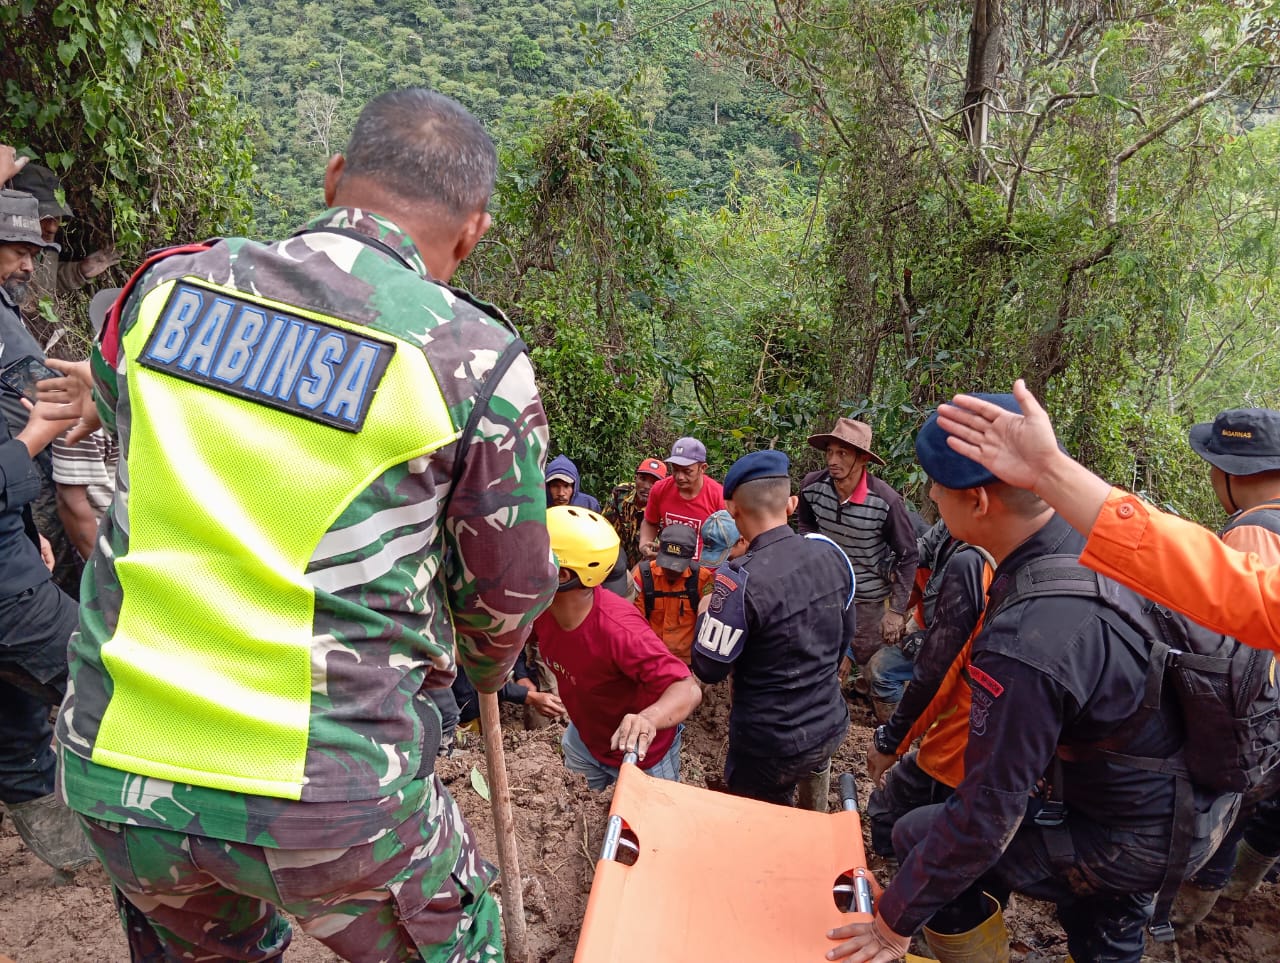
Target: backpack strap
691,586
1266,515
646,589
1053,575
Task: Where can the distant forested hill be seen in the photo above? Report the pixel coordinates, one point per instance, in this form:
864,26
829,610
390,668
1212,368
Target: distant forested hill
306,68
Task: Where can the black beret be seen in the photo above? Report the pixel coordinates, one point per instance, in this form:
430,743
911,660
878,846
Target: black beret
947,467
769,463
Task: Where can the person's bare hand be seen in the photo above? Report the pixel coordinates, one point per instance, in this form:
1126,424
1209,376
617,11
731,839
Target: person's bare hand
1016,448
870,942
649,549
634,734
878,763
892,627
70,389
89,419
10,163
547,703
46,553
846,666
97,262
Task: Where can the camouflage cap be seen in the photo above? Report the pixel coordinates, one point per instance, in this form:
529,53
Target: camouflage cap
20,220
42,184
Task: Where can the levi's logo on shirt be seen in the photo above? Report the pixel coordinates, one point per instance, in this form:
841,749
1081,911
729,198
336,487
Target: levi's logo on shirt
267,355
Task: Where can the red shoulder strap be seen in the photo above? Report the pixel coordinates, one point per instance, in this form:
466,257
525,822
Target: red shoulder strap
109,340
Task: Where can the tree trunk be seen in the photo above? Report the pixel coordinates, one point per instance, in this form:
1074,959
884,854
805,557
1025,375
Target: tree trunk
980,78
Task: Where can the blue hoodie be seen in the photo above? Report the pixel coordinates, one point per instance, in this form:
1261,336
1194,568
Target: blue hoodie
560,465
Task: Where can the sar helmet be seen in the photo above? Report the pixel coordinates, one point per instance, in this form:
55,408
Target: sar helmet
583,541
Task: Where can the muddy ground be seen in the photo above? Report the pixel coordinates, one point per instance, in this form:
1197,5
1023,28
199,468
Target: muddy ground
560,826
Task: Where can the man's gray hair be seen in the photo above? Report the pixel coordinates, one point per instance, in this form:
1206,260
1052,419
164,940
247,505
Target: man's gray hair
422,145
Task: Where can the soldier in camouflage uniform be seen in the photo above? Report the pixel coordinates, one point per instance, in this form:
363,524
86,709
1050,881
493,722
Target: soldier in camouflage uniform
331,475
625,510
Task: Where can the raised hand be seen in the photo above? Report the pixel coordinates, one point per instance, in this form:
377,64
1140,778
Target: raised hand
1018,449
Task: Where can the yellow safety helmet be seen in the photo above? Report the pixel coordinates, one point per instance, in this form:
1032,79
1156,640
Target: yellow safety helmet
583,541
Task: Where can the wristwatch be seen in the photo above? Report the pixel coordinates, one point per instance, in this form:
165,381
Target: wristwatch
880,739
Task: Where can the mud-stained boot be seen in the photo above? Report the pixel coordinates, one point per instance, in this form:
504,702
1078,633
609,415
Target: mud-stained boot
52,832
883,710
1251,868
1192,905
814,790
988,942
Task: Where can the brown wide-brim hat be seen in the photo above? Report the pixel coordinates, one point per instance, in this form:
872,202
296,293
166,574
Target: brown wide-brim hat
855,434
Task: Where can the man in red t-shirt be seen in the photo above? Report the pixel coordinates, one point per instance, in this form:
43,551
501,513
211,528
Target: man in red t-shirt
624,691
686,497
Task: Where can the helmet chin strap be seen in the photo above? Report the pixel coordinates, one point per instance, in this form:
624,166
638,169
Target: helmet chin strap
573,583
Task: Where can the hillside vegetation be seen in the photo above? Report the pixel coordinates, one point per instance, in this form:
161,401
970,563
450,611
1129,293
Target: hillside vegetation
740,220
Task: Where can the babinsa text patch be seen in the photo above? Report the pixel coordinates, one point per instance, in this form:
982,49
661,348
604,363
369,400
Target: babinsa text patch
253,351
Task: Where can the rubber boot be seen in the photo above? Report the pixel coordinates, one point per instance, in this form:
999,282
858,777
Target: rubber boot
883,710
814,790
1192,905
1251,868
988,942
52,832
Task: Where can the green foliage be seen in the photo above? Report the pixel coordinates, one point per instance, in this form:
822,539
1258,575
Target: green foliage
1090,231
582,246
504,62
126,104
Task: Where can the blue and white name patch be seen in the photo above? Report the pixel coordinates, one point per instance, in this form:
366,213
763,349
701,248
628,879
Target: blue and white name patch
260,353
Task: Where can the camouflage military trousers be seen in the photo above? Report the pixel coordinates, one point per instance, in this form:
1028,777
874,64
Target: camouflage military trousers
406,896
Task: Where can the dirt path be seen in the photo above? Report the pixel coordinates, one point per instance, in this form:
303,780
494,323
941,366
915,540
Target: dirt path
560,825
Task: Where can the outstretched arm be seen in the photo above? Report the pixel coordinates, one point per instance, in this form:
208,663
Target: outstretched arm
1166,558
638,729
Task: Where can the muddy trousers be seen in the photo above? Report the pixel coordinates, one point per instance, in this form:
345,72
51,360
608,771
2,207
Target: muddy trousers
409,896
1103,898
906,787
1259,826
775,779
35,626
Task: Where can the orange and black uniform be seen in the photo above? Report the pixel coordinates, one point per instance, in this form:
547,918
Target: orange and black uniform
1187,568
1047,674
674,614
935,704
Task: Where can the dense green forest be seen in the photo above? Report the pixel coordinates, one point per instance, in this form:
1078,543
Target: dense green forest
740,220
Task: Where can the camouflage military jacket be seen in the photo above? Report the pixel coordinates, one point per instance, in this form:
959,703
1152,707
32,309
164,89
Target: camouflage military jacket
625,516
432,554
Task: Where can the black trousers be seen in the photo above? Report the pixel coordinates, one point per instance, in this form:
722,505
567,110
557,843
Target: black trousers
907,787
35,627
1104,897
774,778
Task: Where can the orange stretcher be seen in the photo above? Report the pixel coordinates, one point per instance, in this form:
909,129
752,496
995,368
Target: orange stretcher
718,877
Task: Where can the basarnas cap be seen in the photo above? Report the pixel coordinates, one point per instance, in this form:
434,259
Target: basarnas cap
948,467
100,307
20,220
769,463
677,544
848,431
687,451
719,534
652,466
1241,441
42,184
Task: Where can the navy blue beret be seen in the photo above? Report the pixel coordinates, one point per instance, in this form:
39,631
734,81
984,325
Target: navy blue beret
947,467
769,463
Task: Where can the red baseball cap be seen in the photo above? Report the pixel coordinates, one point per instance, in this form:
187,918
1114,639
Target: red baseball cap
651,466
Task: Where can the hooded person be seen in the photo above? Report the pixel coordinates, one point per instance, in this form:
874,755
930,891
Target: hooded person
564,483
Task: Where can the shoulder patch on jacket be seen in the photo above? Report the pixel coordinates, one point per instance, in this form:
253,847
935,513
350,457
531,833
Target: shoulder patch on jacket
984,680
